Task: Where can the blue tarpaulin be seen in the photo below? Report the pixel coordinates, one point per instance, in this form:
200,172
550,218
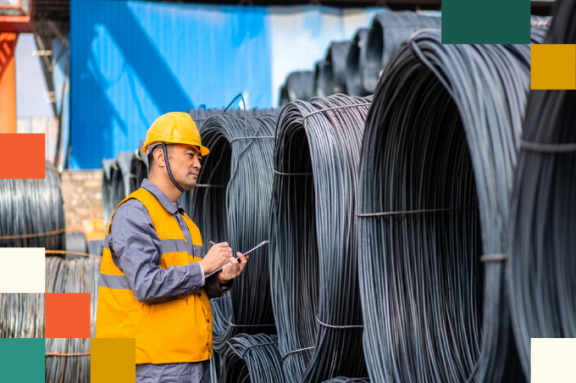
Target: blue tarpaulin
132,61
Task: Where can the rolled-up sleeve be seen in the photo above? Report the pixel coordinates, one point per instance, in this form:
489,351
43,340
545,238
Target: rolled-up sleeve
135,249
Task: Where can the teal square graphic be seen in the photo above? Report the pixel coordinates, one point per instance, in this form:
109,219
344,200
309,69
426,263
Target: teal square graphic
22,360
485,22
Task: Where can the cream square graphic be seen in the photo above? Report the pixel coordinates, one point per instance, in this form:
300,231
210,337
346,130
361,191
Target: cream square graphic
22,270
553,360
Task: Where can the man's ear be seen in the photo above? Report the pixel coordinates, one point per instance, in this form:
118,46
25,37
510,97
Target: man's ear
159,156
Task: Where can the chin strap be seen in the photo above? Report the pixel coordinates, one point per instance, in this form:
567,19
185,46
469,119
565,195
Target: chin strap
168,168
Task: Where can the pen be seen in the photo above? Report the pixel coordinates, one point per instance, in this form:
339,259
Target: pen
246,253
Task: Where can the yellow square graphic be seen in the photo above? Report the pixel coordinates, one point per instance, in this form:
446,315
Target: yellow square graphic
553,66
552,360
112,360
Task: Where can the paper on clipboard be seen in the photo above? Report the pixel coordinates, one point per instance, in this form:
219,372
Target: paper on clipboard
246,253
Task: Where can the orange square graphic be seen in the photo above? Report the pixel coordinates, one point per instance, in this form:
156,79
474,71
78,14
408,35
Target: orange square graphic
67,315
553,66
22,155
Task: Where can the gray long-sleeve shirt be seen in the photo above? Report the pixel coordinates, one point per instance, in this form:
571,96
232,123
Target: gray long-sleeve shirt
135,249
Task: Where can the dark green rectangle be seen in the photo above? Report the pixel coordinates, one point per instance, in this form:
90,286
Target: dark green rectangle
485,22
22,360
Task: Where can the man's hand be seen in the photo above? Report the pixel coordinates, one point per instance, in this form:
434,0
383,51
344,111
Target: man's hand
234,269
218,255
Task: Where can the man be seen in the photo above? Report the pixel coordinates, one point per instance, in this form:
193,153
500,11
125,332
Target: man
155,285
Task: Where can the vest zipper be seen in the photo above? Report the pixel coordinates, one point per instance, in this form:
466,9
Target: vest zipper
186,299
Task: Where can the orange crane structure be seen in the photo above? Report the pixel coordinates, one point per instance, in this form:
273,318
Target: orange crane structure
16,16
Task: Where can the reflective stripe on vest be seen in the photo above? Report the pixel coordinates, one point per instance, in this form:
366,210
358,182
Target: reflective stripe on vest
170,246
175,330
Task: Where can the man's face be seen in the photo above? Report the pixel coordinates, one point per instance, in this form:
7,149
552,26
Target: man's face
185,163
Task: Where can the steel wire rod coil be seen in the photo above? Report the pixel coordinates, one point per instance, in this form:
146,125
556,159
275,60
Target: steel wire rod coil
438,159
542,266
337,55
108,166
138,170
356,56
313,250
284,96
324,79
232,204
32,212
253,358
388,32
300,86
343,379
76,243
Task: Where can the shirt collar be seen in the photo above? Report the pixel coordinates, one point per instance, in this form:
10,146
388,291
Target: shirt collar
161,197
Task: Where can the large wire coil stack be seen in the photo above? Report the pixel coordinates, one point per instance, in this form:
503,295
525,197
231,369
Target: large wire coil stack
356,56
252,358
389,30
323,78
313,254
32,212
337,55
299,86
542,242
231,203
438,159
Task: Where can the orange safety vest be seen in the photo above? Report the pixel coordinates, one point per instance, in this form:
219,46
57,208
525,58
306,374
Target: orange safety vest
174,331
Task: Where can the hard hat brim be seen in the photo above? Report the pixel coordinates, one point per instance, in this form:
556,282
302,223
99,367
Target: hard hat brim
203,150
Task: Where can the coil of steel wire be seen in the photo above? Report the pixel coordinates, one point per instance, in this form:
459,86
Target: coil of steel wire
117,181
343,379
284,96
107,173
138,170
199,116
76,243
21,315
252,358
388,32
324,79
32,212
356,54
337,55
313,252
231,204
541,266
438,159
300,86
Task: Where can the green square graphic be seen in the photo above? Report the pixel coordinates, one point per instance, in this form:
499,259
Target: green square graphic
485,22
22,360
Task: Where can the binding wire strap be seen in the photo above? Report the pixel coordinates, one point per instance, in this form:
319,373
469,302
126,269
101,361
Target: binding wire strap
313,250
542,265
442,134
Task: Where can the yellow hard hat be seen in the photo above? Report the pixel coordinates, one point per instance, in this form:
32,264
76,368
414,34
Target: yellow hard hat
174,128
